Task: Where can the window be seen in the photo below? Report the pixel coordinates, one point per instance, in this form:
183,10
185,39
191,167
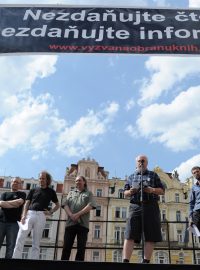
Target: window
121,212
28,186
177,200
97,232
179,236
119,234
98,211
34,185
164,234
124,212
43,253
117,256
8,185
196,240
95,256
99,192
163,215
117,212
139,256
162,198
198,258
87,172
178,215
25,253
46,230
121,194
161,257
181,258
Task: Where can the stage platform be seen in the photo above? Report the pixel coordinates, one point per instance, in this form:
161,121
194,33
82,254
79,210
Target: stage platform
18,264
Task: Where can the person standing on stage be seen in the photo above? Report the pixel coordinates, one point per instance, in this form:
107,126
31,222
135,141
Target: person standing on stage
194,201
34,215
152,188
11,204
78,204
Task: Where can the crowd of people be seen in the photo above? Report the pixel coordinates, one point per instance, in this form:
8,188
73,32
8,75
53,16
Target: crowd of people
21,214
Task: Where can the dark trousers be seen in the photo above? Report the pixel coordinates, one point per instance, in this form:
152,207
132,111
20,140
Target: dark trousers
196,218
8,230
70,234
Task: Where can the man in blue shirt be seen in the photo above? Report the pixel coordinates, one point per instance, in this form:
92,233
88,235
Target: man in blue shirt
147,208
194,202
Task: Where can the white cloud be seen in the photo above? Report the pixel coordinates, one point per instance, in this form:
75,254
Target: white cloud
80,139
130,104
81,2
16,86
194,3
132,131
184,169
24,128
40,140
175,125
25,116
134,3
165,73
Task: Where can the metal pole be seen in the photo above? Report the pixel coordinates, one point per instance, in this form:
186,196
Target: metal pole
142,208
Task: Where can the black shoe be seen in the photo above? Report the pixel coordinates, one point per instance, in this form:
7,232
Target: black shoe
125,261
145,261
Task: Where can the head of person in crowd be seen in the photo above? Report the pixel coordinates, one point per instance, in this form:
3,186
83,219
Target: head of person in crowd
45,179
141,162
81,183
16,183
196,172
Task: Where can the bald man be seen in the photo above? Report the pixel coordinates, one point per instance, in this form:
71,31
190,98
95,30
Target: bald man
152,188
11,204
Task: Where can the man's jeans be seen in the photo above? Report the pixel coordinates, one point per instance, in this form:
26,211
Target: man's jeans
8,230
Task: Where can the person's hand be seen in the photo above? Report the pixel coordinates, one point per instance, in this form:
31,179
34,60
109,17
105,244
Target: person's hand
133,191
149,190
47,212
191,222
23,218
74,217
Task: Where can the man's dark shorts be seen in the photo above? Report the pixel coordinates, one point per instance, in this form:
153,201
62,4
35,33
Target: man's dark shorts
152,225
196,218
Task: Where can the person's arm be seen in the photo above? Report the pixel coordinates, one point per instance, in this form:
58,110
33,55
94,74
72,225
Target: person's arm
157,191
12,204
55,208
77,215
157,187
68,211
25,210
191,206
130,192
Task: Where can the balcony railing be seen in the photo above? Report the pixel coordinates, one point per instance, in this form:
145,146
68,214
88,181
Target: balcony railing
107,242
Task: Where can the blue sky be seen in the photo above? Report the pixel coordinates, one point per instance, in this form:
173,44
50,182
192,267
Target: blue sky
58,109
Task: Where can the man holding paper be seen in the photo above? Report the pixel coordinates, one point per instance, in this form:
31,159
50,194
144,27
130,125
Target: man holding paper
194,202
34,215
